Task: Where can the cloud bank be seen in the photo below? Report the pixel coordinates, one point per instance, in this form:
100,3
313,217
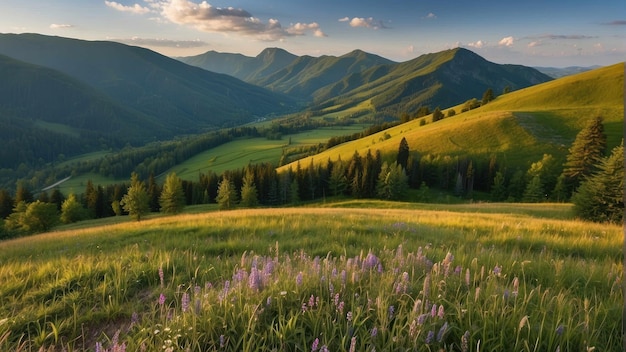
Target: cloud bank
363,22
207,18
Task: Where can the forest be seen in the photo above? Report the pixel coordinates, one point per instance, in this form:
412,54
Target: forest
588,177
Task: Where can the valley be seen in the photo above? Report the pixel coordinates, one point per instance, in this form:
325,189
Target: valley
222,202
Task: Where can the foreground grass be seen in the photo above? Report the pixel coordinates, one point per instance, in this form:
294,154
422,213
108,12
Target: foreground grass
459,278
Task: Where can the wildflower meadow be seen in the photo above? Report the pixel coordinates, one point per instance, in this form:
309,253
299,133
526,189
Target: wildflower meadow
317,280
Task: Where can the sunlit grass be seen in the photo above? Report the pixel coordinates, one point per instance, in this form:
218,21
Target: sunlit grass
76,288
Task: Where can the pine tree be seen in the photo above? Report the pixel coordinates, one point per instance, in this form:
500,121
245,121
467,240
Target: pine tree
498,189
392,182
338,181
136,200
403,153
249,195
172,198
6,203
488,96
601,196
534,192
226,194
585,154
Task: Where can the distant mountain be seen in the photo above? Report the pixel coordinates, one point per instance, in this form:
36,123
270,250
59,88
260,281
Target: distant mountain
280,71
178,97
440,79
558,72
243,67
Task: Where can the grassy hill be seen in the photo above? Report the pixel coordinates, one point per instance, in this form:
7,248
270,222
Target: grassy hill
518,127
381,276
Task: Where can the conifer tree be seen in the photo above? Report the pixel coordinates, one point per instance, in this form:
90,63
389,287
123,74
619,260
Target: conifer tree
249,194
172,198
403,153
488,96
585,154
136,200
534,192
601,196
226,194
498,189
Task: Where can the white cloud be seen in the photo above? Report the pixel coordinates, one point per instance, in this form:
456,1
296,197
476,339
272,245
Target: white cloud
506,41
369,22
478,44
207,18
138,9
60,26
431,15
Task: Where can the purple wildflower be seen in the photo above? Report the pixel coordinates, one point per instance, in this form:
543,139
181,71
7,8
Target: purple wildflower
391,311
374,331
299,279
254,280
312,301
442,331
497,270
353,344
349,316
315,344
421,319
268,301
559,330
441,313
324,349
433,311
429,337
185,302
99,347
222,341
161,299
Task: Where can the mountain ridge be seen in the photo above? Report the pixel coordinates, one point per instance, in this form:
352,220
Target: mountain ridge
339,80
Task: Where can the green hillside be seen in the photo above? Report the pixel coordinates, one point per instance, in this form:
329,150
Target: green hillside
180,98
520,126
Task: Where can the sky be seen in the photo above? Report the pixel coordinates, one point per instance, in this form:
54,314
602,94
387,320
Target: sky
556,33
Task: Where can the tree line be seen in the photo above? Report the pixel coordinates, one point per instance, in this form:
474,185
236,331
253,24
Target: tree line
591,180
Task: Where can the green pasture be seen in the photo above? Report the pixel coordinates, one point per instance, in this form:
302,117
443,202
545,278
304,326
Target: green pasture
239,153
350,275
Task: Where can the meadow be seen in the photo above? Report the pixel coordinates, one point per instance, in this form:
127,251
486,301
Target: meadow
345,276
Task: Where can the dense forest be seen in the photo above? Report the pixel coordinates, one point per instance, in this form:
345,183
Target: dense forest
588,177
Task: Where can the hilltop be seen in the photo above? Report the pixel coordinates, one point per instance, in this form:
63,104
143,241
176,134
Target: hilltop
519,126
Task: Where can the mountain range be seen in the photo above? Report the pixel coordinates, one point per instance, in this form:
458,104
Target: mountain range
68,96
359,78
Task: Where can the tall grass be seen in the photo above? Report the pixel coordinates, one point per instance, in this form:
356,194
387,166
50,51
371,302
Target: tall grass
314,279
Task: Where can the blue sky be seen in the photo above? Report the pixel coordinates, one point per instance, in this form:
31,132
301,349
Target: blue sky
531,32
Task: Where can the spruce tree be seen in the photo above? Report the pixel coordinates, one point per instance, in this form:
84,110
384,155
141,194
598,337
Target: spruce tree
136,201
498,189
172,198
403,153
226,194
249,195
601,196
534,192
585,154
